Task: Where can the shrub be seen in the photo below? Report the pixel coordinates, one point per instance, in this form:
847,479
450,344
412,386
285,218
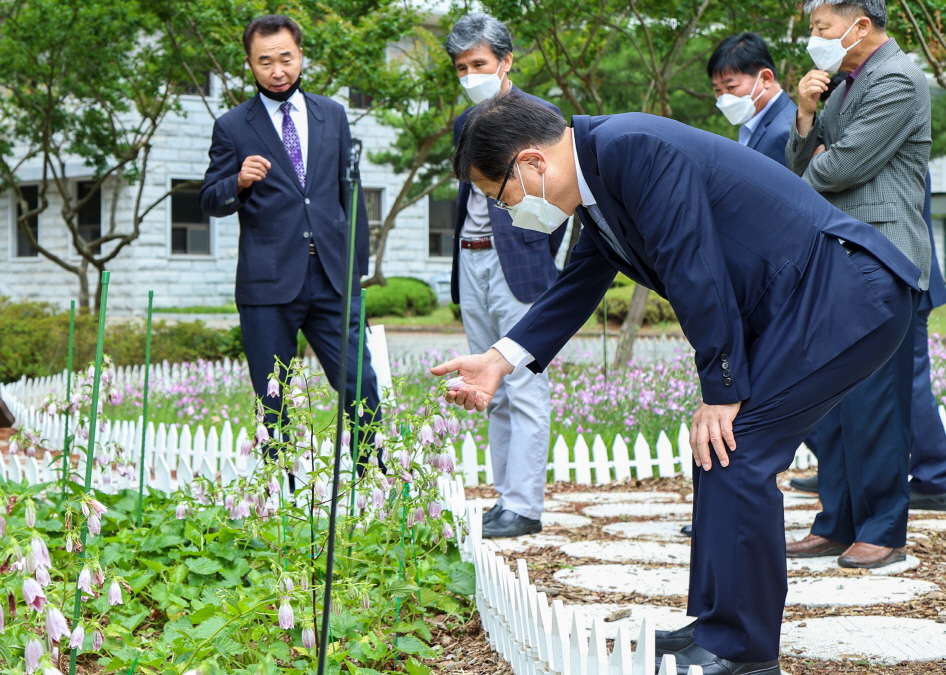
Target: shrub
403,296
457,313
618,299
34,341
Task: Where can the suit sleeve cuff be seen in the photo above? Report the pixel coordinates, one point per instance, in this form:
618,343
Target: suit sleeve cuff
518,357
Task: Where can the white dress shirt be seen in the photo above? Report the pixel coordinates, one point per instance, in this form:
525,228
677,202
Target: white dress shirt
747,129
299,118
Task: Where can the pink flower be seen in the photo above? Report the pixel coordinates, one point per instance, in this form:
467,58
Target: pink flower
3,620
289,586
181,511
56,625
434,509
440,424
115,594
447,531
34,650
446,463
419,515
379,440
95,525
287,619
453,425
426,435
40,553
30,514
85,580
97,640
246,447
97,507
262,435
14,447
377,498
272,387
404,457
308,638
346,438
3,526
406,477
455,383
273,486
78,637
361,501
42,576
98,576
33,594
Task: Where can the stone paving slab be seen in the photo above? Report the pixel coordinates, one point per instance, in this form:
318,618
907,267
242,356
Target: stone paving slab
570,520
927,524
879,639
520,544
854,591
631,550
650,581
641,510
660,530
611,497
799,519
793,499
829,564
663,618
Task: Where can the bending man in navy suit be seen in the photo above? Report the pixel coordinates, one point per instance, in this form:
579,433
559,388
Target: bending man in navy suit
498,272
745,252
279,160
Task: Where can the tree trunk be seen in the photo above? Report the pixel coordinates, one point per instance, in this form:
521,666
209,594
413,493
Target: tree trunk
83,285
631,326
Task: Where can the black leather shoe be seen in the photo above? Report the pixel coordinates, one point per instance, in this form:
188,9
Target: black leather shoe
509,524
716,665
673,641
491,514
805,484
687,530
6,417
918,500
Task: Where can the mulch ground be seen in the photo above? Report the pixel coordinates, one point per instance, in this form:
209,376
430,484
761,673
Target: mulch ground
544,562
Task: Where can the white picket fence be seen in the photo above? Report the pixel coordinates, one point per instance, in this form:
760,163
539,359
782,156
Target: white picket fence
174,453
535,637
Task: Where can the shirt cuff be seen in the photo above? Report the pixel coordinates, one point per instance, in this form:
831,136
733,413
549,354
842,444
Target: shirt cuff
518,357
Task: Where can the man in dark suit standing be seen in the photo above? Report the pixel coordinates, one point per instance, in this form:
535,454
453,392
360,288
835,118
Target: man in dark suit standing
748,93
788,302
867,154
279,160
498,272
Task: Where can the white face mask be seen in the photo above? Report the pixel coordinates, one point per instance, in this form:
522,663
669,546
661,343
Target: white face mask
828,54
536,213
480,86
739,109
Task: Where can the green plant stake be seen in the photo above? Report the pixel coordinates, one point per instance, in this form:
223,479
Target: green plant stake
356,454
67,441
144,410
93,424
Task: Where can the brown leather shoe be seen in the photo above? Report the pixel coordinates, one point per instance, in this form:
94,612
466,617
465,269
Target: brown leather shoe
6,417
870,556
813,546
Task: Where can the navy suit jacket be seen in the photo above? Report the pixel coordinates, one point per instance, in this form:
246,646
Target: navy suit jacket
936,294
278,219
738,244
771,136
527,257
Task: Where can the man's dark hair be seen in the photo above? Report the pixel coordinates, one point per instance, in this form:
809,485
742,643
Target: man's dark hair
744,53
498,129
875,10
477,29
270,25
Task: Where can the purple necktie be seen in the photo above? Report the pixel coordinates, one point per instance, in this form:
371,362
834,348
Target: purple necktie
291,140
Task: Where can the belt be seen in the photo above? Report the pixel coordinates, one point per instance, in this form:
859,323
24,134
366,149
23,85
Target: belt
311,248
477,244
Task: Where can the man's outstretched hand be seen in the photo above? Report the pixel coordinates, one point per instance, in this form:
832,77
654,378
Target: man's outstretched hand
711,431
481,373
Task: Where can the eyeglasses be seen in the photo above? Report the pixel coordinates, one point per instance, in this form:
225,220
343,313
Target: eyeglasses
499,203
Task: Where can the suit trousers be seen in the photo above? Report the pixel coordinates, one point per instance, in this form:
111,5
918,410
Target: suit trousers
865,455
269,332
928,447
520,410
738,578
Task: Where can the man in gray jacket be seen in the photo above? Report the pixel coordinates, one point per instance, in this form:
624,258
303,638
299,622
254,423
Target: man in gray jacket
867,154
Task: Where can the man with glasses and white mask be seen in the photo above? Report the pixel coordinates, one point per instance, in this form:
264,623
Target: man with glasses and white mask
498,272
867,154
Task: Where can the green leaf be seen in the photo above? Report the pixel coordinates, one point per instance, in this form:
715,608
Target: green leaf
203,565
462,579
160,542
412,645
415,667
345,625
401,588
208,628
131,622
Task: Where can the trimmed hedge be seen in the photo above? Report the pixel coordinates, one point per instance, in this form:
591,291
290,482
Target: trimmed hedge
403,296
618,299
34,341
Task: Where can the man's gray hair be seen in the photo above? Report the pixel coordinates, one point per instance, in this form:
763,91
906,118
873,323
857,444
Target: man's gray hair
875,10
476,29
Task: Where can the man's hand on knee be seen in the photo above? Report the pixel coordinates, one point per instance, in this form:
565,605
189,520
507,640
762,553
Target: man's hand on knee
711,431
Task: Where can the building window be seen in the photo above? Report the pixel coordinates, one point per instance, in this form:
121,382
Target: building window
373,205
202,88
190,226
359,98
441,220
23,247
90,216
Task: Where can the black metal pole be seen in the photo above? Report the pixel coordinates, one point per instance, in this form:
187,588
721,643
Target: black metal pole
353,178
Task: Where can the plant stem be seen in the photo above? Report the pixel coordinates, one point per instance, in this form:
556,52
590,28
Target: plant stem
67,441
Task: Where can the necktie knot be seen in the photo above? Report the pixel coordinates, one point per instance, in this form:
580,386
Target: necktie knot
285,107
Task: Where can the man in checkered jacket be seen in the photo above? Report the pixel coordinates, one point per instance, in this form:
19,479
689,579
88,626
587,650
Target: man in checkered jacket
867,154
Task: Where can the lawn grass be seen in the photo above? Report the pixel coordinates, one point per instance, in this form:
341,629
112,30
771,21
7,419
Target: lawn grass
938,321
230,308
441,317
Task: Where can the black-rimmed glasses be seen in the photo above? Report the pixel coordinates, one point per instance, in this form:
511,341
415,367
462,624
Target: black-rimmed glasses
499,203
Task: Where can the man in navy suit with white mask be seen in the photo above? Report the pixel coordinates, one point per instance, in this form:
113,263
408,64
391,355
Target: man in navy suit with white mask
279,161
788,302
